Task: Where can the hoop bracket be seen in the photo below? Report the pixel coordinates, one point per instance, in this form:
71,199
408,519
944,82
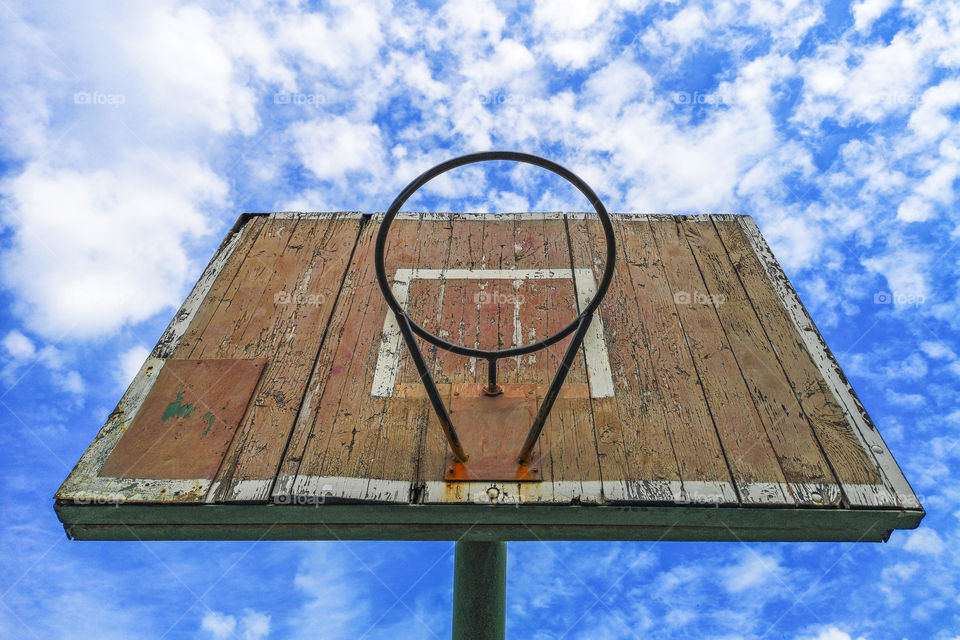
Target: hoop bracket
492,390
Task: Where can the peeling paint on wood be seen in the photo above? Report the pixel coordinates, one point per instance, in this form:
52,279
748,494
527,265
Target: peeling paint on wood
674,401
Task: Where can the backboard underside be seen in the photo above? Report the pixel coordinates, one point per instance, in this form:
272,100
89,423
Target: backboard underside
704,403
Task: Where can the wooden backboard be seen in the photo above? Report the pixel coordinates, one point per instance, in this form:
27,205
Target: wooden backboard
282,403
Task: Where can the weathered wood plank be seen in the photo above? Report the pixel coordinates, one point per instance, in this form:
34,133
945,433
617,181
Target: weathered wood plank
809,477
285,321
633,441
750,456
660,416
204,299
457,321
352,434
214,331
828,367
433,242
861,482
569,441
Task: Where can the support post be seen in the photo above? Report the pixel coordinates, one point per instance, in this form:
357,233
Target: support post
480,590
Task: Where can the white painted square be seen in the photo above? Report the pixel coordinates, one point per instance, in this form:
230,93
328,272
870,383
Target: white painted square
594,345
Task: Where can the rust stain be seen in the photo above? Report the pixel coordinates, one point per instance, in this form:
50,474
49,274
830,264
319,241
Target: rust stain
492,430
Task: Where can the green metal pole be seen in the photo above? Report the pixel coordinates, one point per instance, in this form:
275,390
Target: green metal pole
480,591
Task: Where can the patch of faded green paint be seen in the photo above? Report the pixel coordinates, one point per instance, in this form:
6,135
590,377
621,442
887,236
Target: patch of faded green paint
211,417
176,409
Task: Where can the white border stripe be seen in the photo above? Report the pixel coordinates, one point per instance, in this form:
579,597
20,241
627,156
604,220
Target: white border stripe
595,347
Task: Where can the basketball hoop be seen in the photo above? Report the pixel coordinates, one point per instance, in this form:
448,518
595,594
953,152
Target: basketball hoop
579,326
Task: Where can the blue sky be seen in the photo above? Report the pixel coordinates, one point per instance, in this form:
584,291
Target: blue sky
133,134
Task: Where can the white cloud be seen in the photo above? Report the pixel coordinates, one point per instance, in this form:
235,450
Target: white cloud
254,625
684,28
564,16
18,346
355,27
219,625
905,272
191,75
937,350
23,356
830,633
129,364
925,541
69,381
906,400
867,11
753,570
93,250
929,120
333,148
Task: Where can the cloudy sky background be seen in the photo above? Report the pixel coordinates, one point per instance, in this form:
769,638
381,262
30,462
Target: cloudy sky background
133,134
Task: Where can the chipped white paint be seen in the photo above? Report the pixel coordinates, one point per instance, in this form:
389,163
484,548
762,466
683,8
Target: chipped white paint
315,215
672,491
181,321
388,360
307,489
896,489
706,492
513,493
473,217
594,345
241,491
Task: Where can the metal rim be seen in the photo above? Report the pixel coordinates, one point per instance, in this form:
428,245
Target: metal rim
486,156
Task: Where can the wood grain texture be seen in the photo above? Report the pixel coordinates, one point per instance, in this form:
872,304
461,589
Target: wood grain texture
283,317
848,459
338,441
809,478
828,367
658,423
689,401
750,455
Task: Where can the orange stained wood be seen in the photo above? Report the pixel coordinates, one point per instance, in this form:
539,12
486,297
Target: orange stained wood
695,385
187,423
